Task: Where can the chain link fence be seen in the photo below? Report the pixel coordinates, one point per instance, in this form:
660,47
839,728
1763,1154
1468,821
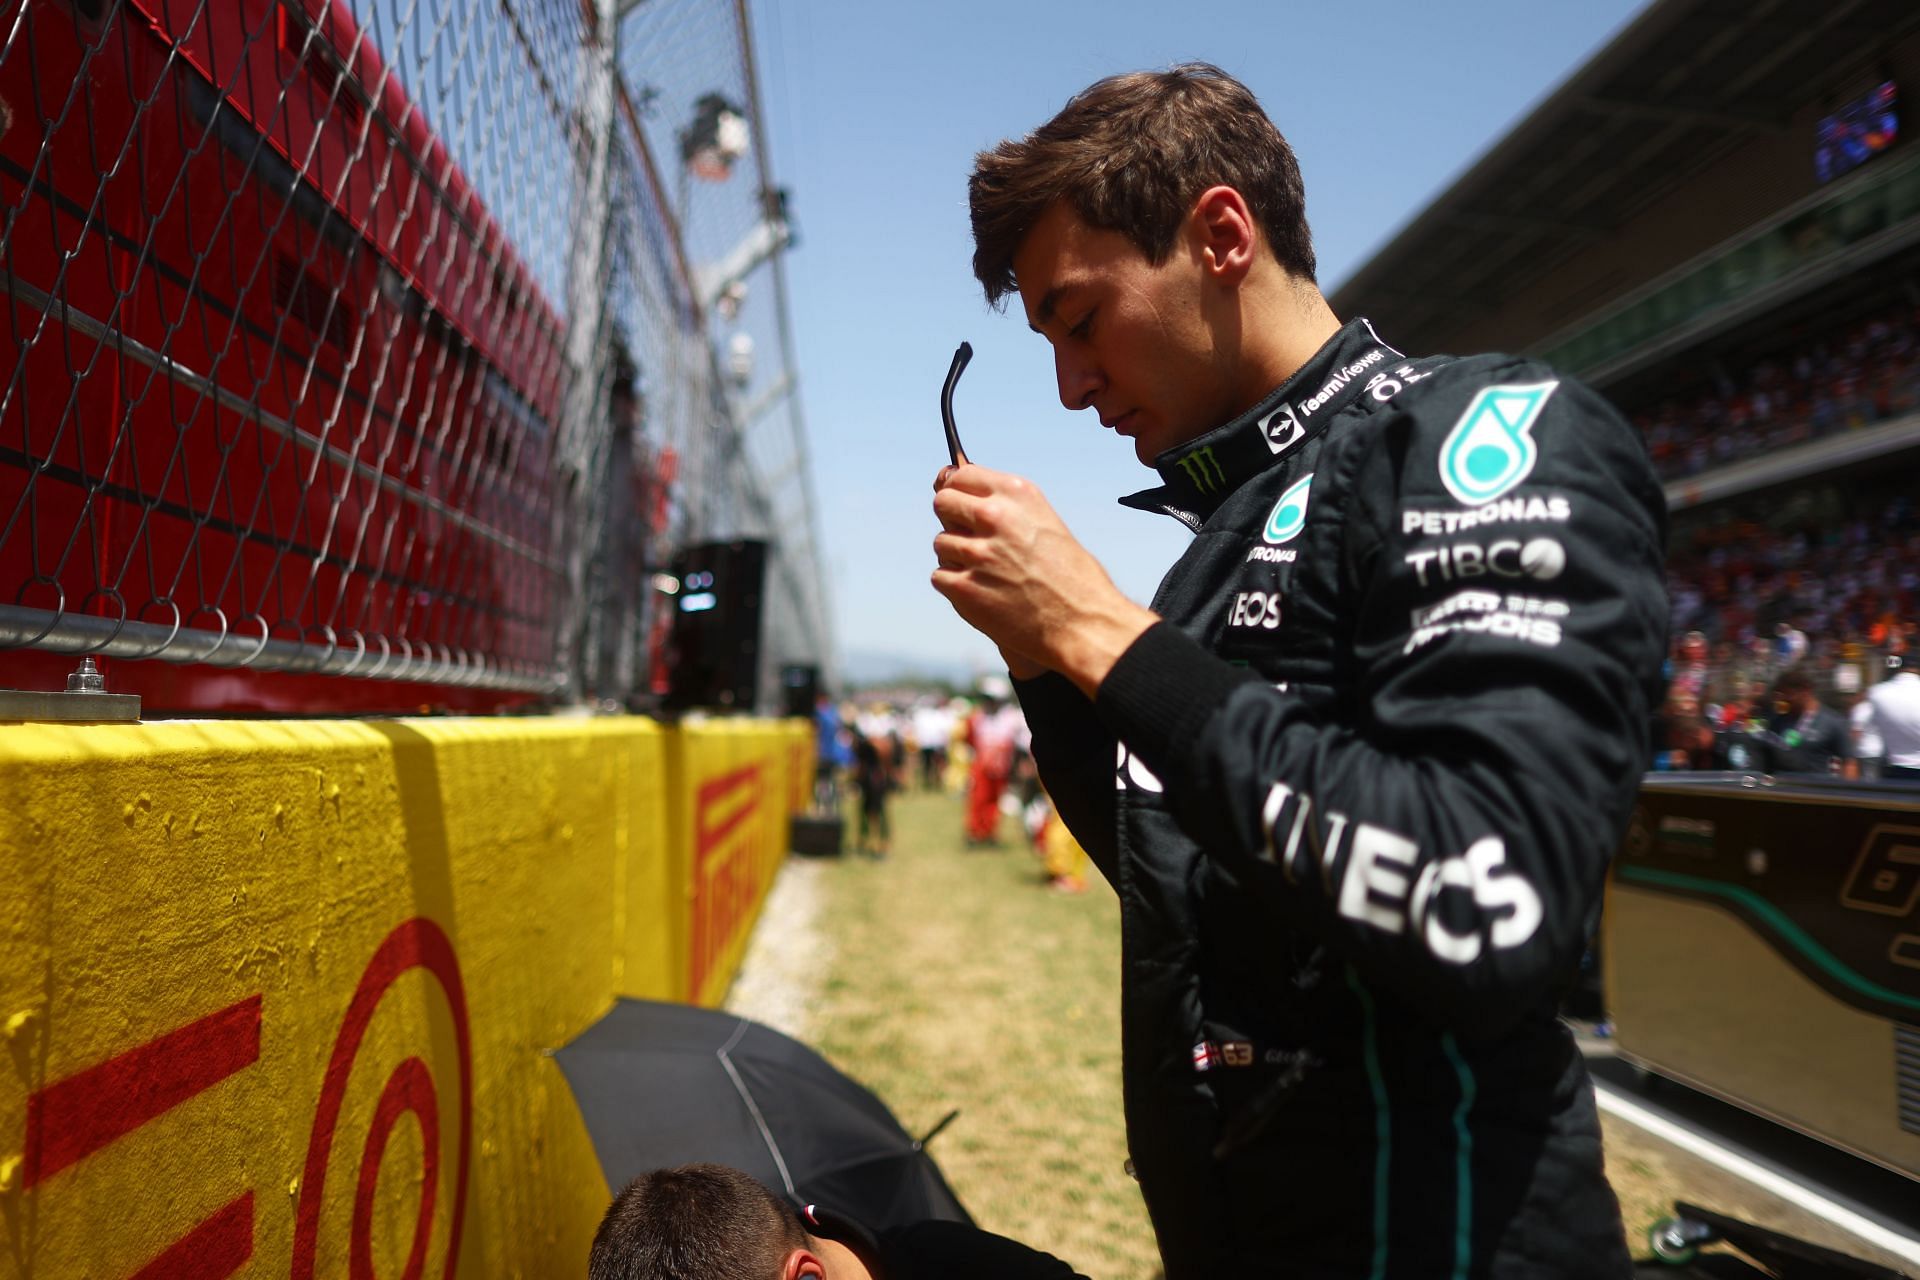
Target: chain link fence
374,353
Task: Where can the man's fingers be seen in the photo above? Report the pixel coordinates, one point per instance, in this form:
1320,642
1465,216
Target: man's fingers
956,551
958,510
949,583
963,590
970,478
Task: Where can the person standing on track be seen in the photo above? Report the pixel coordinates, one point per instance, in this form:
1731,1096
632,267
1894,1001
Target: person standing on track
874,773
993,734
1357,774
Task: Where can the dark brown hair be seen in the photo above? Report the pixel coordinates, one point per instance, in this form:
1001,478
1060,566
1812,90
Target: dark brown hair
1131,153
696,1222
1791,682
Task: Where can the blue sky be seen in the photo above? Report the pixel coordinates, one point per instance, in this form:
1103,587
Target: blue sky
875,112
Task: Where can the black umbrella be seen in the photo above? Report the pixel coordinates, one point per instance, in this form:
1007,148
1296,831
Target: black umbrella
666,1084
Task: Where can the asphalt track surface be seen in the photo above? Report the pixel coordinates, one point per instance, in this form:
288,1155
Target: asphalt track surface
1817,1192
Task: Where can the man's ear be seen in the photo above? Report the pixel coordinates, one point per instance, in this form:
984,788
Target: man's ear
1224,234
803,1264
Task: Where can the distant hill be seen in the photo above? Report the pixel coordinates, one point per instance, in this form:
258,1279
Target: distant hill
864,667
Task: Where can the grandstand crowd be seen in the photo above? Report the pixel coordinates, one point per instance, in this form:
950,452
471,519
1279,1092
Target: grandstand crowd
1867,372
1807,587
1811,585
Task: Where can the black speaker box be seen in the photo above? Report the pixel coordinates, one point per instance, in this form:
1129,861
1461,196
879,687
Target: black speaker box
815,836
713,647
799,690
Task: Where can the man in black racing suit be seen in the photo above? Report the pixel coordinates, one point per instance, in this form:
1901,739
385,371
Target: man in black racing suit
1356,775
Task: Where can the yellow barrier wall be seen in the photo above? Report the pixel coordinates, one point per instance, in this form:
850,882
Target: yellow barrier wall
279,997
733,792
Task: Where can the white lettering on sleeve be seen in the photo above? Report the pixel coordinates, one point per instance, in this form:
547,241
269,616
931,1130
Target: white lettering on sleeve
1454,948
1495,887
1377,884
1482,872
1277,797
1130,769
1371,880
1336,832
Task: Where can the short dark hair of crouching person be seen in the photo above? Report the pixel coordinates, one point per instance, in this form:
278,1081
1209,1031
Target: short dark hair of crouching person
712,1222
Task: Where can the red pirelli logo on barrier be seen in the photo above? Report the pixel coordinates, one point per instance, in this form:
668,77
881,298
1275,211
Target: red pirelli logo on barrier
728,866
92,1109
107,1104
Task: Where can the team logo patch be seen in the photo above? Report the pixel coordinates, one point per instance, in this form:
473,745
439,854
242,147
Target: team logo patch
1203,469
1490,450
1282,429
1289,515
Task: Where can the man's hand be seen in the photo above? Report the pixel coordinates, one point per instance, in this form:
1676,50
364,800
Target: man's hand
1011,568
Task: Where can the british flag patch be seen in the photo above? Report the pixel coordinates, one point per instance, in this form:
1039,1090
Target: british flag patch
1206,1055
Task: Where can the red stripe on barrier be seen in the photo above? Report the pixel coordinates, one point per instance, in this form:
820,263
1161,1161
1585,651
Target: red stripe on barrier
213,1250
70,1120
711,837
708,833
713,788
726,876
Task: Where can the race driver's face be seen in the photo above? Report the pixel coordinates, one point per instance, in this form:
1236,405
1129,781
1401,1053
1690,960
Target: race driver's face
1130,338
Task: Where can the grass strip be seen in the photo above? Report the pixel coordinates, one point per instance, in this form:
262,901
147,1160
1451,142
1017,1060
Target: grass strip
958,979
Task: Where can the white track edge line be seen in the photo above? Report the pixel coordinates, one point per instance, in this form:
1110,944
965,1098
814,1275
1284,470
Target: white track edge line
1738,1165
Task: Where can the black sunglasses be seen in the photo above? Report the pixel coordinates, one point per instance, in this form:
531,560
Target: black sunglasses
960,358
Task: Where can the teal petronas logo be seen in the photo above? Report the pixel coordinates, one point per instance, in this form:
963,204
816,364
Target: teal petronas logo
1490,450
1290,513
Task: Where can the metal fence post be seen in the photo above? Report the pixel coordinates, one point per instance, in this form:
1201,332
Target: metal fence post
583,426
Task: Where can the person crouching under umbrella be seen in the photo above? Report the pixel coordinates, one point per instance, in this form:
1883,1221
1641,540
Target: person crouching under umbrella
713,1222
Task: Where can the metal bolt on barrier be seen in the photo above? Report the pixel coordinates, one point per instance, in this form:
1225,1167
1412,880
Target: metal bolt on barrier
86,700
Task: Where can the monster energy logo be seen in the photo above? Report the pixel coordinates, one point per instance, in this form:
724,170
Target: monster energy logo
1203,469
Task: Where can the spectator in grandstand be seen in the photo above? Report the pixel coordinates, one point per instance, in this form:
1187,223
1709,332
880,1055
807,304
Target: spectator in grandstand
1690,666
1813,738
1896,717
1868,748
1683,736
1689,745
1735,710
1789,644
1679,711
712,1222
